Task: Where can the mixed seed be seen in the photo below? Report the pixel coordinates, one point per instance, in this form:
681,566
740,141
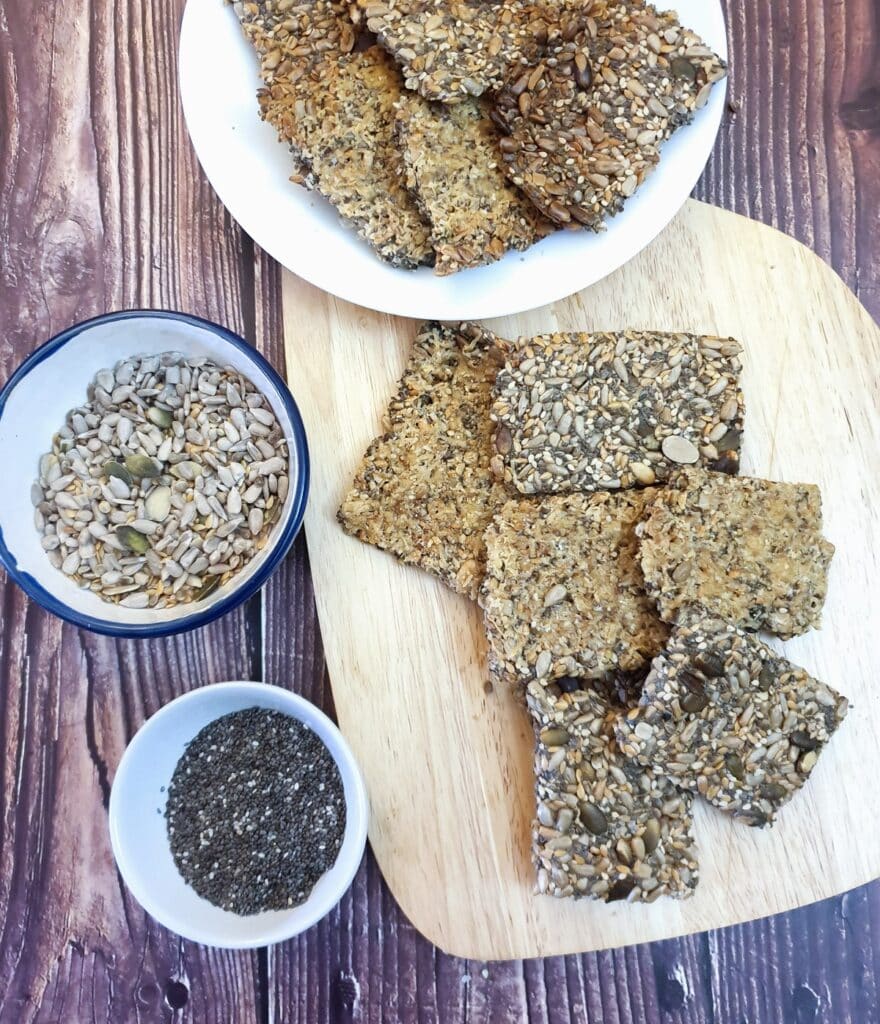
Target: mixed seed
724,716
748,551
164,484
563,593
584,125
605,827
605,411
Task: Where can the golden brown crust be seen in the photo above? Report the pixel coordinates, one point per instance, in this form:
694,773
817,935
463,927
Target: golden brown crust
748,551
424,491
452,164
563,594
339,117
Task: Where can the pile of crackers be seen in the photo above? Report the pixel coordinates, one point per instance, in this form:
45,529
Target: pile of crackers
584,489
448,132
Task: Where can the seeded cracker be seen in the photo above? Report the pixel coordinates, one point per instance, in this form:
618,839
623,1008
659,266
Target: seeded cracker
585,128
563,594
425,492
291,36
605,827
452,164
452,49
584,412
748,551
338,117
723,715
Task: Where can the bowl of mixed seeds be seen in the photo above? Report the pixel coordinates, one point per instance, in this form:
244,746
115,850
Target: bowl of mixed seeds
238,815
157,473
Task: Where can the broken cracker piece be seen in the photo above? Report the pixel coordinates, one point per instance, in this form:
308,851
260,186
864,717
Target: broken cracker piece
338,118
748,551
451,156
563,594
585,412
723,715
605,827
584,126
425,492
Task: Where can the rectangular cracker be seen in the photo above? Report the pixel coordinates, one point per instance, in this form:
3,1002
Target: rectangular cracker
585,126
563,594
605,828
451,156
425,492
748,551
586,412
723,715
338,118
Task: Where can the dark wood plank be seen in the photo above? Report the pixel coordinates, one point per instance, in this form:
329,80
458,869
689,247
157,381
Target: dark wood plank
101,206
800,148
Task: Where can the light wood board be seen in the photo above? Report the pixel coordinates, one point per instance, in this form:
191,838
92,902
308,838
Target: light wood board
448,761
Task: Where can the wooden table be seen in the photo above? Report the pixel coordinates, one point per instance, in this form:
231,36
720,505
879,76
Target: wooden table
103,206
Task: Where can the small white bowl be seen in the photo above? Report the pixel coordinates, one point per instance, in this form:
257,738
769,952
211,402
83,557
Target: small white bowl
33,405
139,836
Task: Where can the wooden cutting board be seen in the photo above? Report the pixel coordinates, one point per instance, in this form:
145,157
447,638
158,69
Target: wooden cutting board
447,760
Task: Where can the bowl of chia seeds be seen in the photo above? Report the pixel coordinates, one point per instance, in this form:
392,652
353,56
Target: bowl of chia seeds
156,473
238,815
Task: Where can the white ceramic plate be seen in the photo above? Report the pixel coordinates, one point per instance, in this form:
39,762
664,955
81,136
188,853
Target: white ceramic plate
249,170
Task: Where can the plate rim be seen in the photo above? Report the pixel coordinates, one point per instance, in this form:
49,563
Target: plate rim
395,299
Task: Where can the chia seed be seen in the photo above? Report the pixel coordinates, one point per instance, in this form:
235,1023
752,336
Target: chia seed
255,812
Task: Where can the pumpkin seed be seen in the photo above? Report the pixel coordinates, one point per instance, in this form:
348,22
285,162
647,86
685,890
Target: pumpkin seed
133,540
161,417
142,466
803,740
554,737
113,468
681,67
592,819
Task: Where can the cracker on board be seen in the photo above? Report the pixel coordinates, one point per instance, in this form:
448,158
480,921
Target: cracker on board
424,491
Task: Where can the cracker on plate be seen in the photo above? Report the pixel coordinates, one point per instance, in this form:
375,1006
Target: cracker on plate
583,412
452,168
338,118
452,49
605,827
748,551
723,715
290,36
425,492
563,594
584,129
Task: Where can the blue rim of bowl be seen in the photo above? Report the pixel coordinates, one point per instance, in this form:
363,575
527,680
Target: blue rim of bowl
298,498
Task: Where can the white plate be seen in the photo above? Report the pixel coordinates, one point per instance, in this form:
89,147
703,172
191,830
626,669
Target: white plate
249,170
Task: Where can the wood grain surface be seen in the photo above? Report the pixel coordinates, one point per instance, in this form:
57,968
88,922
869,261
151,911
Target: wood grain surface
102,206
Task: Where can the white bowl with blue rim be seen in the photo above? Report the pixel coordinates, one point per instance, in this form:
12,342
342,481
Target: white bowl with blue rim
33,406
139,831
